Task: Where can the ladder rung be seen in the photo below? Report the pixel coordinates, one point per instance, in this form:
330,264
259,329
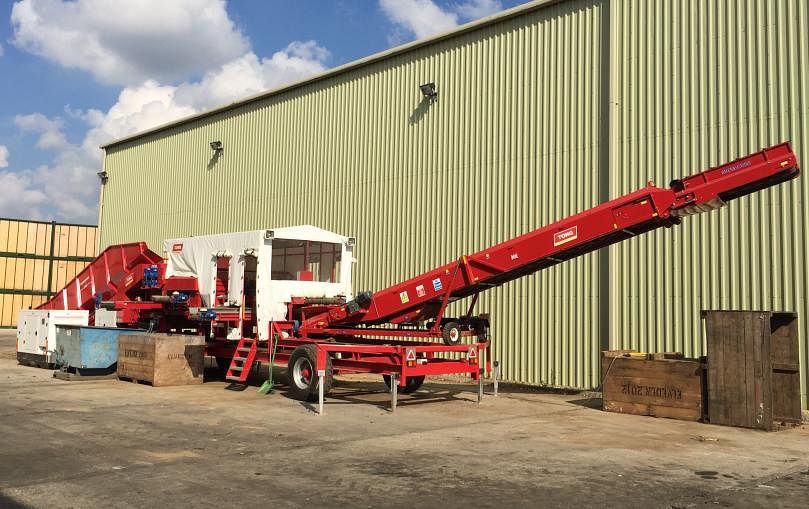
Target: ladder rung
233,378
245,349
236,368
241,359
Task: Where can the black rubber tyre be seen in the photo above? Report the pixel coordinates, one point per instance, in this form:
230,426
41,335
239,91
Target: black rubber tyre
481,331
451,333
413,383
302,373
223,363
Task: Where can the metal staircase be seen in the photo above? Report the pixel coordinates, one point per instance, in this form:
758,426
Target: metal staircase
242,360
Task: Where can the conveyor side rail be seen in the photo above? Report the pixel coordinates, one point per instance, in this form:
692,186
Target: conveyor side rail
425,296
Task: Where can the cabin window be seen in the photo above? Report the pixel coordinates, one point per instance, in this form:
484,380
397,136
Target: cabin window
305,260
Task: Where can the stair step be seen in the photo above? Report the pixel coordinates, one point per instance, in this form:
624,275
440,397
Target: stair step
233,379
242,359
244,349
235,368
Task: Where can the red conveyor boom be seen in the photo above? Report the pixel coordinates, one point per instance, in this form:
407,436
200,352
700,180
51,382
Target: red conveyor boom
113,273
425,296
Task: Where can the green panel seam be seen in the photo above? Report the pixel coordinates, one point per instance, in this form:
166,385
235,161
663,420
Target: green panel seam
13,291
29,256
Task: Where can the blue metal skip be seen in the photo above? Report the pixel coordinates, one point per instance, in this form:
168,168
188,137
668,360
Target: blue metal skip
89,348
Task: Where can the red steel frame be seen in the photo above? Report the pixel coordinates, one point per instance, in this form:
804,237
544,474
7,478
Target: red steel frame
357,336
426,296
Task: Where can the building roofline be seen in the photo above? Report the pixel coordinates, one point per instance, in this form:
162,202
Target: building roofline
350,66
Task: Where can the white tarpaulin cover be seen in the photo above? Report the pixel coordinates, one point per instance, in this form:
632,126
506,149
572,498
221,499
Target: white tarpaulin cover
197,257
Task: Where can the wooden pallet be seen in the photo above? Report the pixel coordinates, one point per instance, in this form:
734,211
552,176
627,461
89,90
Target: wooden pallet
753,369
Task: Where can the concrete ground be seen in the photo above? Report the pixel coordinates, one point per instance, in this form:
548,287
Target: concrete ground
118,444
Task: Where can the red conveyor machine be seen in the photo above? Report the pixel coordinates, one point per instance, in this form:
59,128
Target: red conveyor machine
401,332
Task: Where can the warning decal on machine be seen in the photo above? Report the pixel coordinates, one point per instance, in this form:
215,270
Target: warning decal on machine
420,291
411,354
566,235
404,297
473,354
177,248
437,286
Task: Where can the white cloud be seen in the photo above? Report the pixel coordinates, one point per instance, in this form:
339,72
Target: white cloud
49,130
68,187
129,41
249,75
3,157
27,201
475,9
1,50
151,104
423,17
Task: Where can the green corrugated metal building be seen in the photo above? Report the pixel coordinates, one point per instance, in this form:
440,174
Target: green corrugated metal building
542,111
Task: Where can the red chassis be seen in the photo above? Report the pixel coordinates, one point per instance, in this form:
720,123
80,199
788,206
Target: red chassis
401,331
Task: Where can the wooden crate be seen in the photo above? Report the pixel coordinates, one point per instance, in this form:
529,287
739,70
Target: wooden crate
658,387
753,368
161,359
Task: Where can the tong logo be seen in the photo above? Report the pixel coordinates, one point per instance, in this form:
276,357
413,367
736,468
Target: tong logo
566,235
177,248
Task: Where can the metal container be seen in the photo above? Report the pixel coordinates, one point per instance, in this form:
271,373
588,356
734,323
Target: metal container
89,350
36,334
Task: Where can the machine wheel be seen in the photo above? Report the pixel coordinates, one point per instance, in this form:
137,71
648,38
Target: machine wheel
451,332
481,330
223,363
413,383
302,372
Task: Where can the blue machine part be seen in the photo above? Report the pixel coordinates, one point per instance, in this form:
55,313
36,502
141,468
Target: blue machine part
208,314
99,297
88,348
179,298
149,277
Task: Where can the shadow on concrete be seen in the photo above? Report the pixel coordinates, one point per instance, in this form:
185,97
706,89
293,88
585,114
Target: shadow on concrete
10,503
594,403
372,392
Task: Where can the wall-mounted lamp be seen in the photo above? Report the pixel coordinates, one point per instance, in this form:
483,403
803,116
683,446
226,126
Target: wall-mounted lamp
217,146
428,90
103,176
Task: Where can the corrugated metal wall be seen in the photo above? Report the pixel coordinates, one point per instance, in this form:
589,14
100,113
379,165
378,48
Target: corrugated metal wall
511,143
38,258
694,84
538,116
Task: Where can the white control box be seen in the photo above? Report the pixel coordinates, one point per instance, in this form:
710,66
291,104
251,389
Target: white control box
36,333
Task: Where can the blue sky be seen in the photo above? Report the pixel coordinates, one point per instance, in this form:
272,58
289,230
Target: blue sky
78,73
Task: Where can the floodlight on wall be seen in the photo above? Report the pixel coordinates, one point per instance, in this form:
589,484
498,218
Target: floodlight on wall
103,176
217,146
428,90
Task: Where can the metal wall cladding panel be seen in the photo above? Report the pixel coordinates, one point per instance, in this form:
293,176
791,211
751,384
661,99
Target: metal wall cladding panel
25,250
510,144
694,84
